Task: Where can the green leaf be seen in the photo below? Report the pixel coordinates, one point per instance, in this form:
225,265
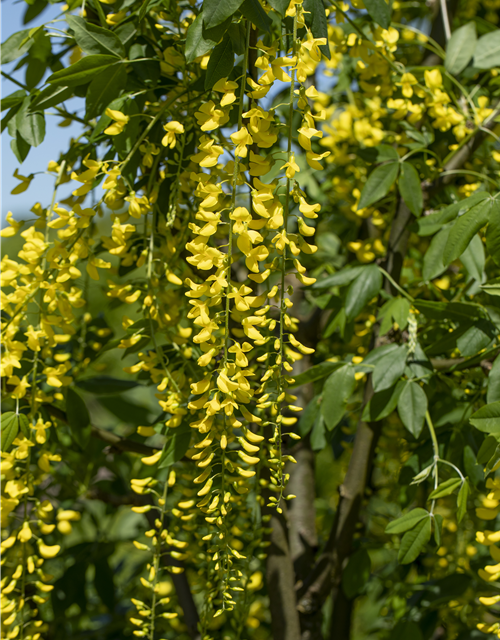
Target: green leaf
460,48
476,338
378,184
50,97
492,287
280,6
253,11
12,48
410,189
383,403
316,20
449,310
105,386
95,40
309,415
196,43
389,369
24,425
365,287
463,494
423,475
175,448
10,429
317,372
487,449
13,99
30,125
487,419
82,71
318,435
433,258
412,406
406,522
215,11
438,528
220,64
78,418
336,393
356,574
380,11
474,259
493,233
487,53
103,89
342,277
415,541
445,488
493,392
465,228
20,147
428,225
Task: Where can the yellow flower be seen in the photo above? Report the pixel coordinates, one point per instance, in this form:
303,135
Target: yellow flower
172,128
241,139
228,88
120,120
291,167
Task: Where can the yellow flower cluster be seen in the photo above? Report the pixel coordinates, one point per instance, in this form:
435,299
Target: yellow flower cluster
489,510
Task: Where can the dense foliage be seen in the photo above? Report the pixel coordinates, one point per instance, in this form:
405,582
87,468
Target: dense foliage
250,371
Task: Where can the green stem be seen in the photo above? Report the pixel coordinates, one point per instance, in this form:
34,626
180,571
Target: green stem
435,448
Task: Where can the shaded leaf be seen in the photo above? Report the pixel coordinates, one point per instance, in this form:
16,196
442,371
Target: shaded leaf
378,184
30,125
215,11
336,393
175,448
253,11
103,89
433,258
463,494
380,11
465,228
412,407
78,418
410,189
415,541
220,64
317,372
103,385
365,287
93,39
389,369
82,71
383,403
493,232
196,43
50,97
316,21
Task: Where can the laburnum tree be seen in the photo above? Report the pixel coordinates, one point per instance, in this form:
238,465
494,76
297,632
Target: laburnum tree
250,355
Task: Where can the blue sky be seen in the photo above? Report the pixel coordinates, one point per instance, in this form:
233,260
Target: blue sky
56,138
